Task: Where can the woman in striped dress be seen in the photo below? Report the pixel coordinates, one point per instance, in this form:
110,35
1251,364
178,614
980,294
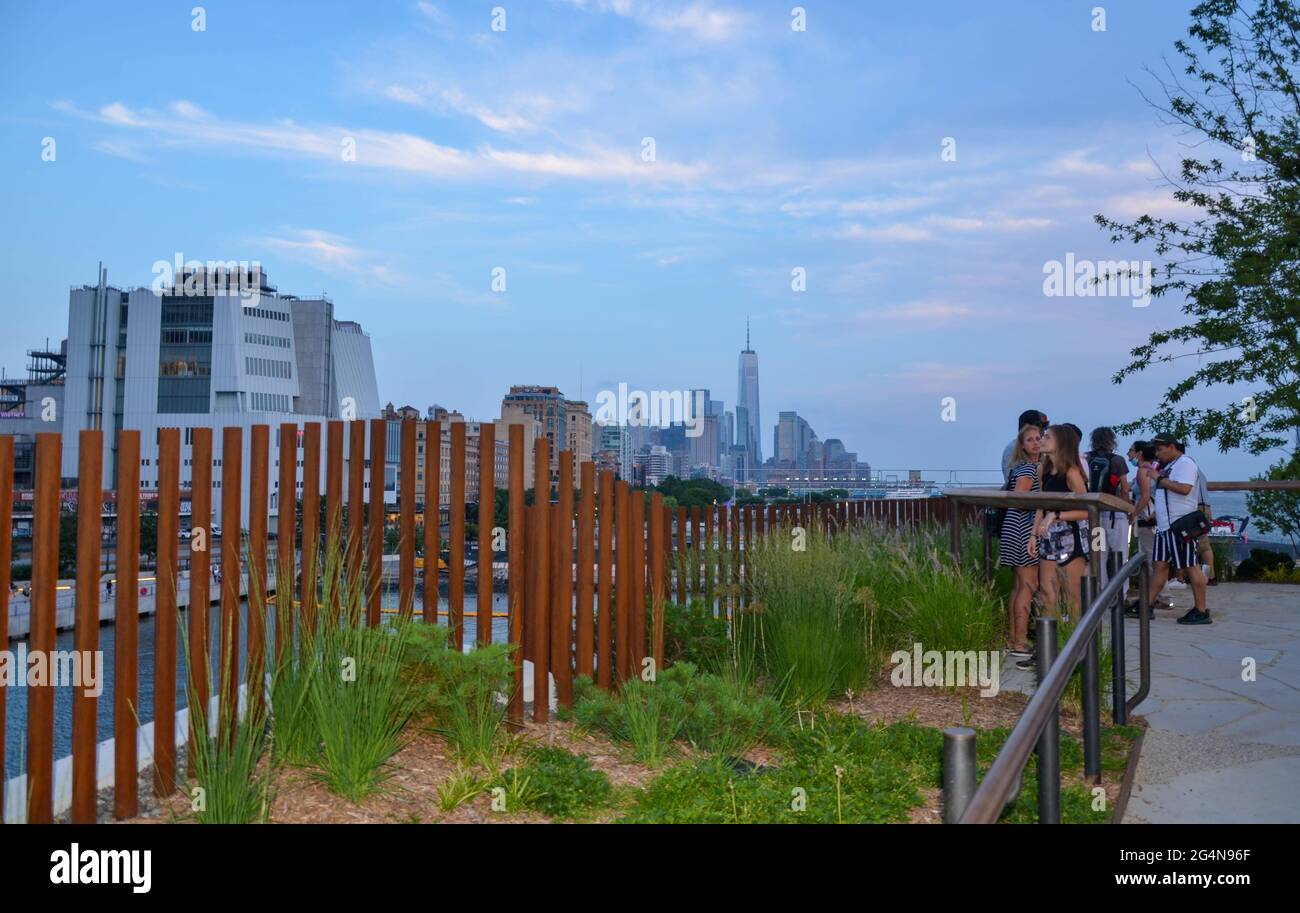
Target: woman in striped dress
1017,529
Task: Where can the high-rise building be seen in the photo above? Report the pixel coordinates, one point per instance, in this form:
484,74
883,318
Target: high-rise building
793,442
146,360
748,420
617,441
565,423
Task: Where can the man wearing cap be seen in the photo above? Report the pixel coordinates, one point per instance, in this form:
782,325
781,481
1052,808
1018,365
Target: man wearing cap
1174,495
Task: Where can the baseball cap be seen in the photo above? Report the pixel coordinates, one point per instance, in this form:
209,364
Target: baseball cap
1168,439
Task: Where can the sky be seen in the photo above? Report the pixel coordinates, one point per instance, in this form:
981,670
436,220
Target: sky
645,176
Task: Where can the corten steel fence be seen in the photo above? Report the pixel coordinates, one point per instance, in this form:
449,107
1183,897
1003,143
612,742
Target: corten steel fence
589,571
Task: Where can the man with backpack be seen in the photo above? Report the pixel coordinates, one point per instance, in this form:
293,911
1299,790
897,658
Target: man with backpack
1107,474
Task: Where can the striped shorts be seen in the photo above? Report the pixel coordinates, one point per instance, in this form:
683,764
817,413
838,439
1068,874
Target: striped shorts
1173,551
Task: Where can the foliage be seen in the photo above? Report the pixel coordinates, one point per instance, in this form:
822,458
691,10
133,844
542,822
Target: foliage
716,714
561,784
692,633
1261,562
459,788
694,492
1234,261
1278,510
466,691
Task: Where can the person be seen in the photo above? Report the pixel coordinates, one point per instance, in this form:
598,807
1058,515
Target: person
1204,550
1143,457
1013,552
1107,474
1174,499
1061,536
1028,417
108,585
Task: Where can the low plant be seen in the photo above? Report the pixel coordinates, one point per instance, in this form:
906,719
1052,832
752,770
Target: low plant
692,633
466,692
459,788
562,784
518,791
361,702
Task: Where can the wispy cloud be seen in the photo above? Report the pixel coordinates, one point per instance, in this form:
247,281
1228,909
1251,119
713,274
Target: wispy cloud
330,253
701,20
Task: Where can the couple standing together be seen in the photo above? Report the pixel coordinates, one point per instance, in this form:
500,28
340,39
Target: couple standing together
1045,546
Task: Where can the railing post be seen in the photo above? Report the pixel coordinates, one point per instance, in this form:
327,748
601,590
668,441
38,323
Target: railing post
1144,637
959,769
1119,711
1049,743
1091,692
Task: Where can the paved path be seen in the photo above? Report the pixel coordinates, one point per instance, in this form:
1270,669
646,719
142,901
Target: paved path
1219,748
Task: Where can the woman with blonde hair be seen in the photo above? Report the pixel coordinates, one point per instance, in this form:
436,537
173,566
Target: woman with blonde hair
1017,531
1061,536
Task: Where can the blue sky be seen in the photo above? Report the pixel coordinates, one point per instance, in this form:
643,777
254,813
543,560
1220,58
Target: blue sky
523,149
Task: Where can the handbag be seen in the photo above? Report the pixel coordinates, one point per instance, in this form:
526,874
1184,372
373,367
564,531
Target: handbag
1189,527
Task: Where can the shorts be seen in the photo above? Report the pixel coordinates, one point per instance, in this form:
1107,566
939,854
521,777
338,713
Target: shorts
1064,542
1173,551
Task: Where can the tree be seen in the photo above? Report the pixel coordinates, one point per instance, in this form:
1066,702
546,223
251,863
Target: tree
1237,262
1278,510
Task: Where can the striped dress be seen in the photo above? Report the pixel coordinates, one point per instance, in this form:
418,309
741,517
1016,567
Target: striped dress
1018,525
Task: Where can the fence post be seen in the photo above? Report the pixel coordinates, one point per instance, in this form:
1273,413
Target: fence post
378,511
42,638
406,521
562,585
1091,692
85,707
167,618
518,580
605,580
456,559
126,625
1118,687
623,583
286,533
959,769
539,566
198,663
433,518
487,504
232,473
1049,743
586,646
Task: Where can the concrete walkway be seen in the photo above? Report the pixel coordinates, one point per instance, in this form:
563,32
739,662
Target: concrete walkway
1221,748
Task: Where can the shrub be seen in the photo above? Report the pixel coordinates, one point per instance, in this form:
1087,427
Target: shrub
466,692
561,784
1260,562
692,633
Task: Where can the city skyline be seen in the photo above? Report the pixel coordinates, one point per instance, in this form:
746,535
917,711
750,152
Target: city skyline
786,181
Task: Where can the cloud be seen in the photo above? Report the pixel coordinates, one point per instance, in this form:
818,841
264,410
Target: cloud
394,151
700,20
330,253
900,232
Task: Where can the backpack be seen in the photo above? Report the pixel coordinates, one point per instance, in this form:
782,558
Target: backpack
994,517
1102,477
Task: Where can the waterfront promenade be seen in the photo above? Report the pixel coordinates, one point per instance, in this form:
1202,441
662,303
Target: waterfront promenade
1221,748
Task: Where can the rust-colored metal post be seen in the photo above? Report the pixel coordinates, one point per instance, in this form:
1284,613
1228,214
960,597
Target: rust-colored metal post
562,586
406,488
735,557
85,707
310,525
356,535
724,564
432,517
375,570
199,663
167,619
456,585
487,504
605,580
683,561
710,557
657,576
44,623
515,538
232,473
539,567
259,457
336,552
586,570
637,616
286,531
126,627
622,582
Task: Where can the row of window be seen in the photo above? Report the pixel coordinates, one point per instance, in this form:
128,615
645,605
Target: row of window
267,314
269,402
184,367
181,337
268,367
262,339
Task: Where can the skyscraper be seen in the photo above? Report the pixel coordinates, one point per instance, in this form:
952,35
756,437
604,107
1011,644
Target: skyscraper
748,421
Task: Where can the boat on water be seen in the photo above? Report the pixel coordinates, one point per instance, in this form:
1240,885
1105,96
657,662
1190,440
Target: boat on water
1229,527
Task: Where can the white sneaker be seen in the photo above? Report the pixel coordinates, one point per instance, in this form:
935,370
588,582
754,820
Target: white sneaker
1176,585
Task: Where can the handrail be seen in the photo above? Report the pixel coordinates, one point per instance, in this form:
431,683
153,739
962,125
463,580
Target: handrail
1001,780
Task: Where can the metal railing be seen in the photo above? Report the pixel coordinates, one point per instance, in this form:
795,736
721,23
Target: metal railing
1039,726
